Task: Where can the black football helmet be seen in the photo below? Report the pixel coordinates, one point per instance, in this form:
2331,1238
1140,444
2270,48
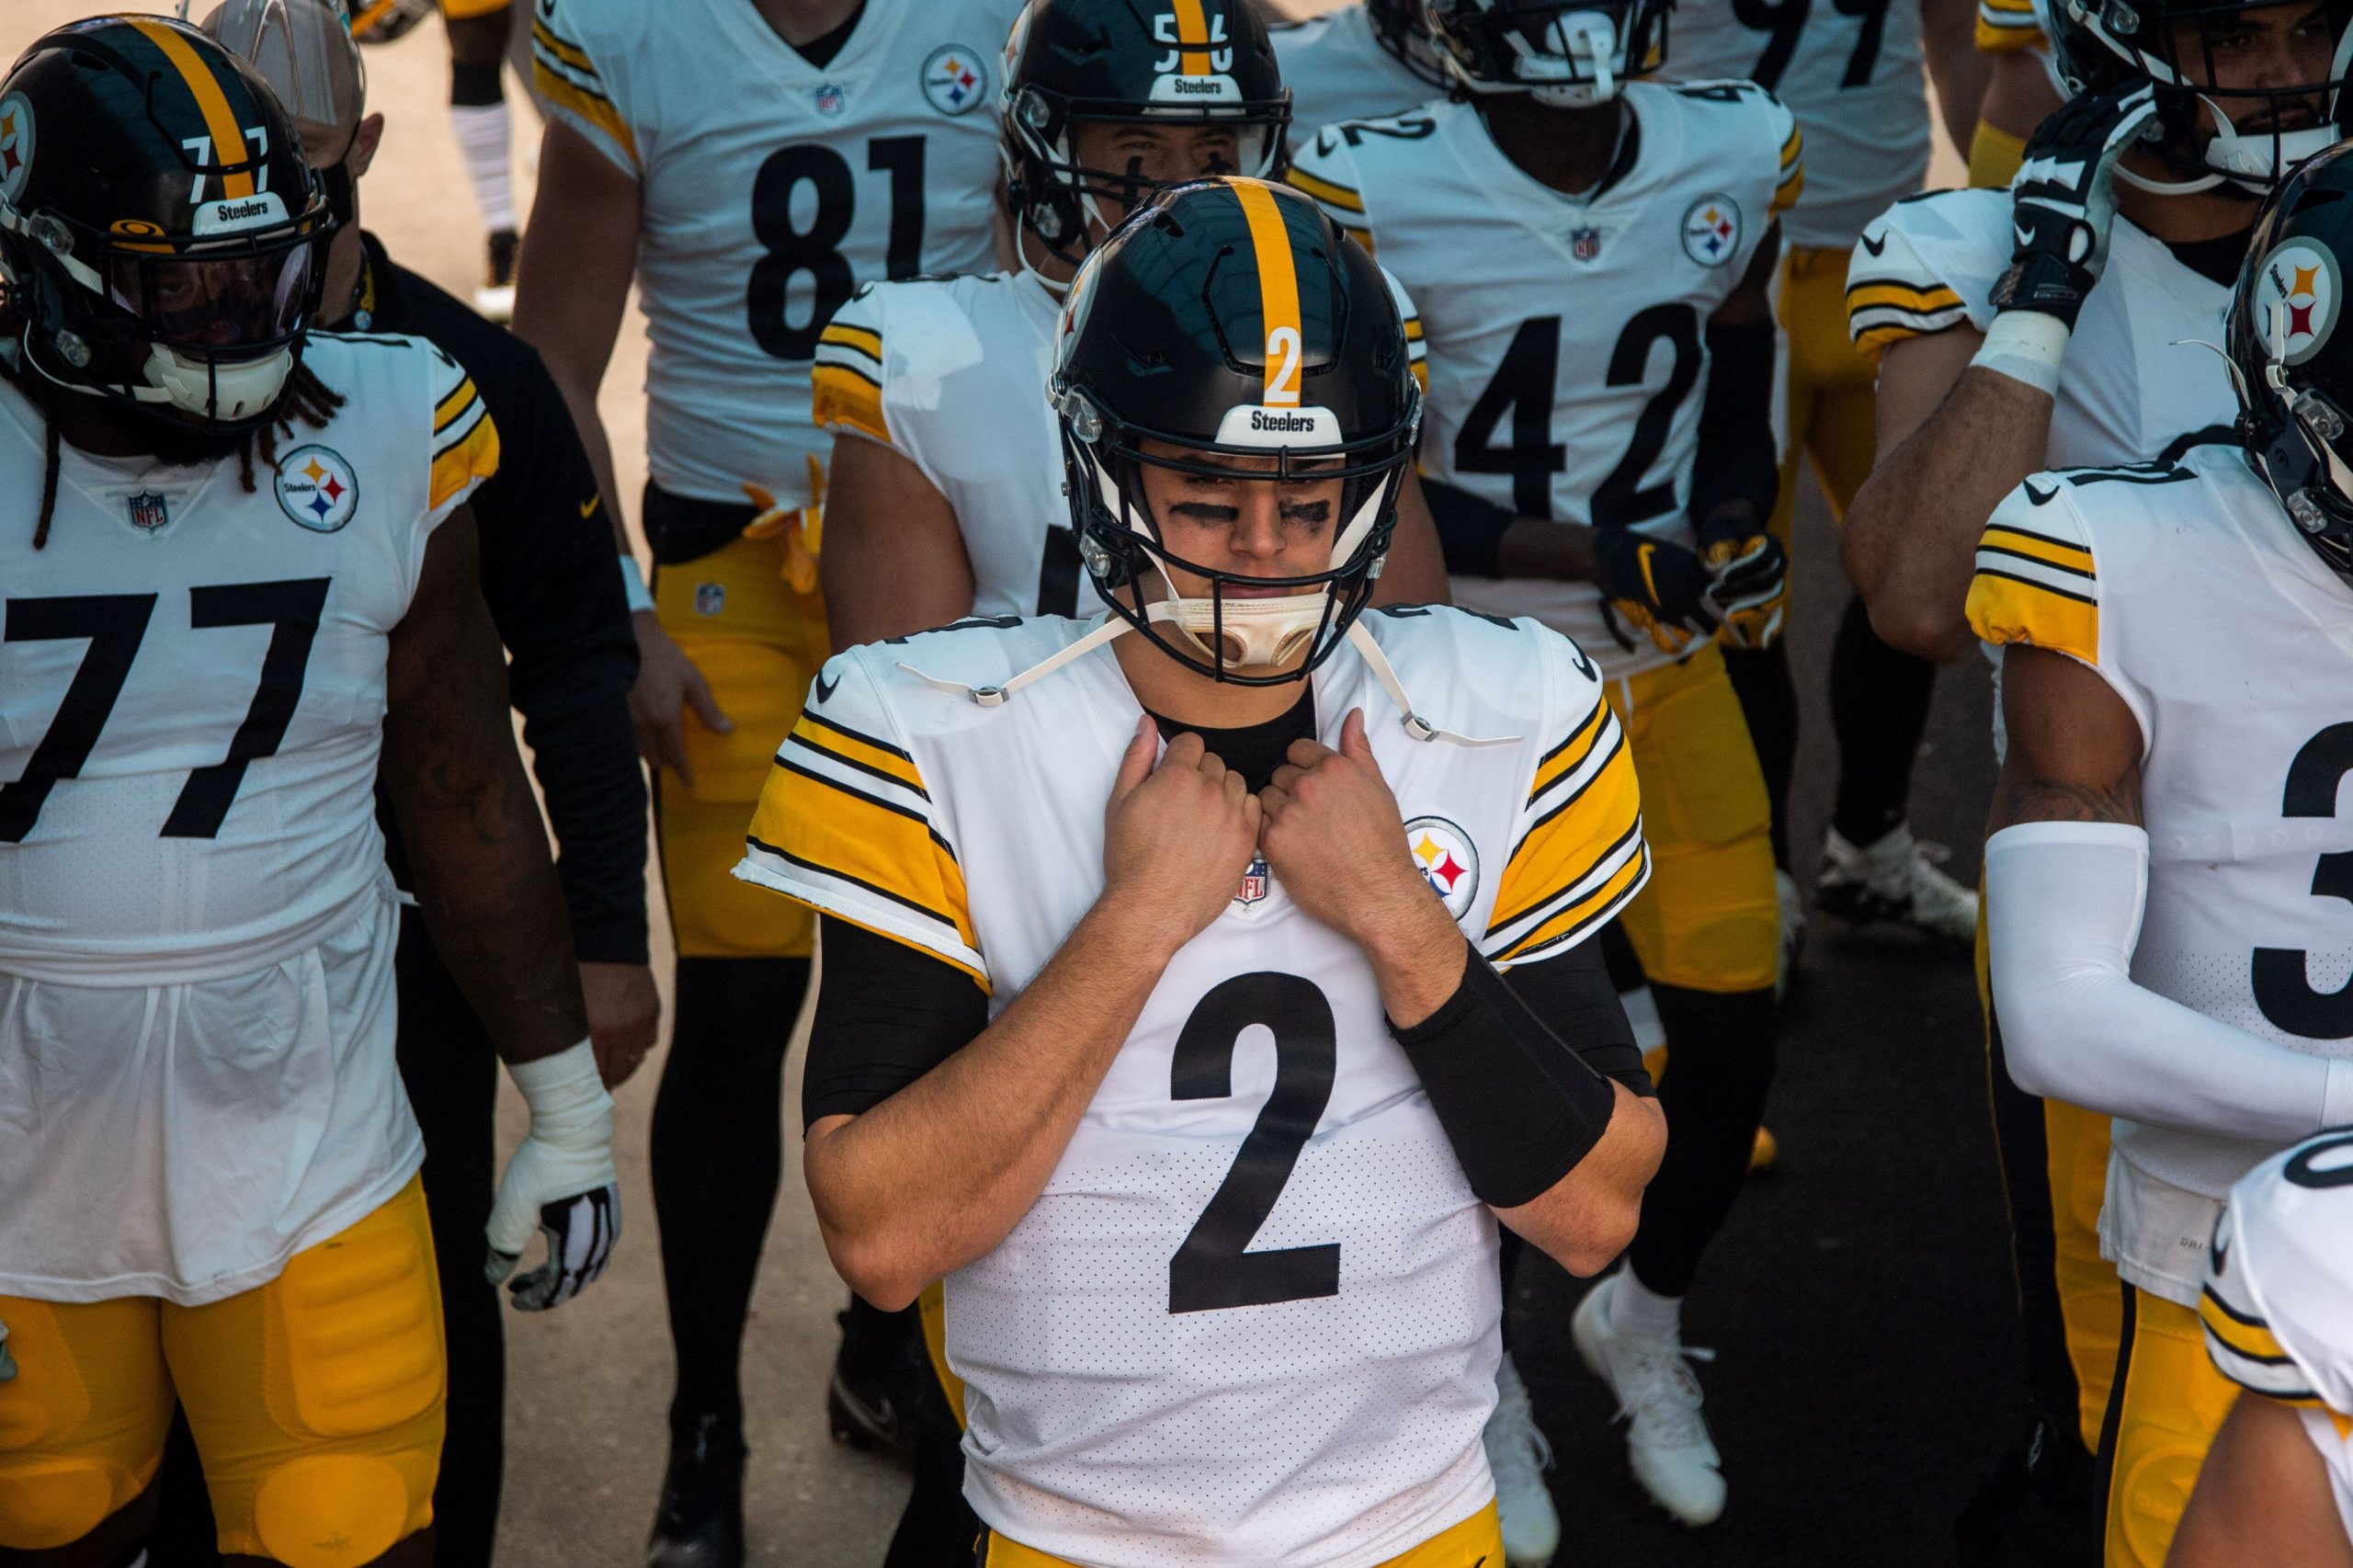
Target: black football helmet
1157,62
2291,347
1398,27
159,229
1568,54
1230,317
2106,46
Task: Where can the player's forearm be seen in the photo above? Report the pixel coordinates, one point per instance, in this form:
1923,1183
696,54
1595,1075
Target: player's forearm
894,561
939,1172
1910,538
1587,1218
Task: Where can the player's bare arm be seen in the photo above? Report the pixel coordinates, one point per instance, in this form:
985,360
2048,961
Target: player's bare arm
572,288
894,560
2263,1496
1957,67
939,1172
2075,750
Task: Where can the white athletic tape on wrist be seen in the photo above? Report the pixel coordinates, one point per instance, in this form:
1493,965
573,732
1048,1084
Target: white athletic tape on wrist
2025,346
633,586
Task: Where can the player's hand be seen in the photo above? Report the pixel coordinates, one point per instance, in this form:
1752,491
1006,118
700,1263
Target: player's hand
7,1362
1750,590
1335,840
667,685
2063,201
624,1015
1655,585
1176,837
561,1182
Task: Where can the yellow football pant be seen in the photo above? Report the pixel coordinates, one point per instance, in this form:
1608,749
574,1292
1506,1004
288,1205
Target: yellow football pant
1709,920
1833,415
1993,157
1476,1542
759,645
316,1401
2170,1401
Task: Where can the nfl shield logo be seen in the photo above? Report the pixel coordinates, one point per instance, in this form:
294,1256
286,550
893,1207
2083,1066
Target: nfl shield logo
831,100
710,597
1254,882
1584,244
148,511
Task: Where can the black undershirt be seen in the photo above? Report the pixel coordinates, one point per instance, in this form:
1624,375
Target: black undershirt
820,52
1254,751
2218,259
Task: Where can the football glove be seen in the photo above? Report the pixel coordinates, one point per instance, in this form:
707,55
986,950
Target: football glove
1656,586
2062,200
1750,573
562,1182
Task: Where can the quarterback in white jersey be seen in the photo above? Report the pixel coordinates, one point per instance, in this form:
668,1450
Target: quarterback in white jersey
2152,892
1158,1103
1362,61
944,499
240,583
2277,1310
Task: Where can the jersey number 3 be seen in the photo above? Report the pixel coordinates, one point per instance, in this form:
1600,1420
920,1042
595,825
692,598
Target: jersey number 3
817,249
114,625
2283,993
1213,1269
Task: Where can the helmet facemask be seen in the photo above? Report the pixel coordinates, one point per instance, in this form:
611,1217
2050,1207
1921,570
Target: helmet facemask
1562,56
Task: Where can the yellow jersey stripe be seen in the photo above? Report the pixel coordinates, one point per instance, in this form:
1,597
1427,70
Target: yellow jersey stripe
570,53
2243,1336
860,751
2053,552
1277,294
1586,912
456,403
1566,844
2003,609
1903,295
827,827
1324,190
1570,755
597,109
220,120
1192,37
843,398
861,338
465,463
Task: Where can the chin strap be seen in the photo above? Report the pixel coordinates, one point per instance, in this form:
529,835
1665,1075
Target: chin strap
994,696
1368,647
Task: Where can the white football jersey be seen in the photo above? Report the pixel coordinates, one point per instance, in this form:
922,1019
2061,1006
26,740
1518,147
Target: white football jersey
2278,1303
197,926
772,188
1253,1318
1566,336
2134,376
1338,70
1853,75
2187,588
952,373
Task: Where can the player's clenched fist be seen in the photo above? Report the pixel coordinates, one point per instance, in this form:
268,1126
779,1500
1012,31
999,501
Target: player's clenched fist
1176,836
1335,839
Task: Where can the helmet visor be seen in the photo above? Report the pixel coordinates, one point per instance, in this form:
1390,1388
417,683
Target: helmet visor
244,300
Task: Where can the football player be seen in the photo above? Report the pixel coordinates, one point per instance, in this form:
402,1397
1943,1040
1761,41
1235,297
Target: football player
1362,61
1597,250
480,121
2035,328
239,574
1854,81
748,166
2150,887
1241,827
941,499
2277,1310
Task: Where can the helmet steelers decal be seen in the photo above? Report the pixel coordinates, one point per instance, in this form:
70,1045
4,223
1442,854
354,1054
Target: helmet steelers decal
2297,298
955,78
1200,56
317,488
1449,862
15,145
1711,229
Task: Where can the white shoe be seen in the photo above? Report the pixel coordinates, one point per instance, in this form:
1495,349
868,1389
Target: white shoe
1895,879
495,302
1519,1455
1666,1440
1792,901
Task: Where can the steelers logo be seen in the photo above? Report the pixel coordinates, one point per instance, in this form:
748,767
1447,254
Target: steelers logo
1448,862
1711,229
15,145
317,488
955,78
2297,298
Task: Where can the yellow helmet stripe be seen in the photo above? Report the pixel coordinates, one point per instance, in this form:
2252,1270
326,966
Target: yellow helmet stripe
1277,291
228,137
1192,37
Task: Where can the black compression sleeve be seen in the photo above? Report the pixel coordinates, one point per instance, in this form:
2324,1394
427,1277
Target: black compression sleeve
887,1014
1469,530
1737,459
1577,1000
1519,1106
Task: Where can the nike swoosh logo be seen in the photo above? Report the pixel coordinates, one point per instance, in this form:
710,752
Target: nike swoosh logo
2221,1254
589,508
826,689
1585,665
2040,498
1877,247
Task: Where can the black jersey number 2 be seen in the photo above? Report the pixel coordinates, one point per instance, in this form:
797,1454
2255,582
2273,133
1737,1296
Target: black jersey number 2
817,250
1214,1269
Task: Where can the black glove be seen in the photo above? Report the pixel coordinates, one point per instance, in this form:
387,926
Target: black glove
1751,573
2062,200
1655,585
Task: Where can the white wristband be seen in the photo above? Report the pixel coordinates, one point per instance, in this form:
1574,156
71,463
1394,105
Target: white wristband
566,1096
633,586
2026,347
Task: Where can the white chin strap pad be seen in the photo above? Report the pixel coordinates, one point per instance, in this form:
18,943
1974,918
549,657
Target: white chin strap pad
226,393
1587,57
1244,633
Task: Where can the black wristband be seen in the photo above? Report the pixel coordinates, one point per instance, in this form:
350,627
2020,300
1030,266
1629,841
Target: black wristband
1519,1106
